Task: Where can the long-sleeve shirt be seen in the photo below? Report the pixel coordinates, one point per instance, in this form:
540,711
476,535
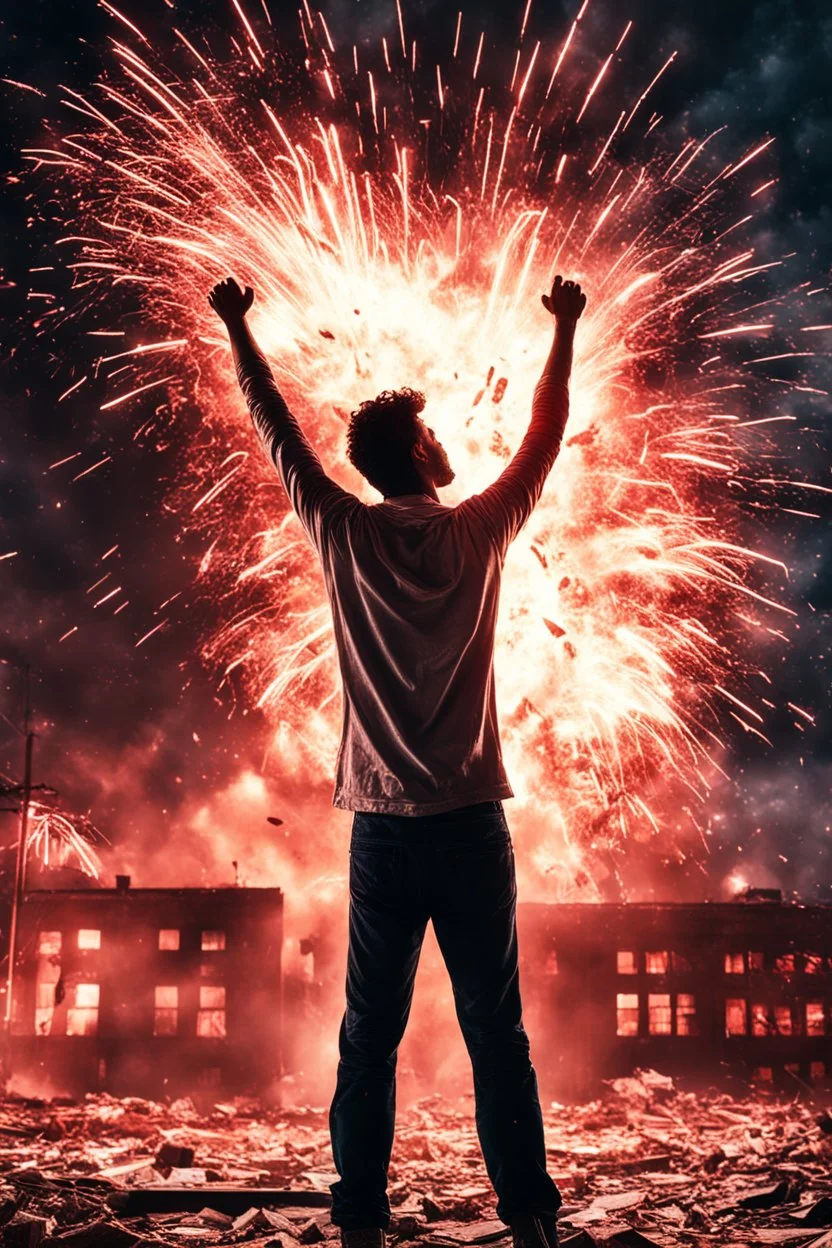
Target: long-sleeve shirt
414,588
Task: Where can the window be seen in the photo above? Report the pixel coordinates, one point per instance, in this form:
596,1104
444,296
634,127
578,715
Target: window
736,1023
49,944
627,1009
627,962
815,1018
169,938
812,964
210,1019
656,963
734,964
681,965
756,960
764,1074
166,1013
213,940
817,1071
82,1015
785,964
761,1023
783,1019
686,1024
46,982
89,938
658,1014
551,966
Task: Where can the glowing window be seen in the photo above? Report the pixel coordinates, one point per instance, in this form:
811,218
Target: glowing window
656,963
166,1012
783,1019
756,960
686,1024
761,1023
734,964
785,964
815,1018
82,1015
817,1071
89,938
48,975
49,944
627,1010
812,964
763,1074
169,938
213,940
627,962
210,1018
681,965
736,1020
658,1014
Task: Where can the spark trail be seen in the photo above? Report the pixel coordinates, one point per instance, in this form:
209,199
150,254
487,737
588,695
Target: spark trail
399,218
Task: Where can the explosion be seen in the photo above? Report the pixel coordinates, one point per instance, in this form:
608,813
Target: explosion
398,218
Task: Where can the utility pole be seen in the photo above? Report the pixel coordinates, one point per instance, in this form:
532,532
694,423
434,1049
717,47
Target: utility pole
24,791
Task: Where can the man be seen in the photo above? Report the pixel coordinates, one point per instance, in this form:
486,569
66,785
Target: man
414,588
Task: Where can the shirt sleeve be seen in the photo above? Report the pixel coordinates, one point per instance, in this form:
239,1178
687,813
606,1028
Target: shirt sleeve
315,498
504,507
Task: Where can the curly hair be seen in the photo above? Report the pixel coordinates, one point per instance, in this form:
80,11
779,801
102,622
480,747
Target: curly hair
381,435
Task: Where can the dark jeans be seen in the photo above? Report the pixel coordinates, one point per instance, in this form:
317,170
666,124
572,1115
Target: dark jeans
458,870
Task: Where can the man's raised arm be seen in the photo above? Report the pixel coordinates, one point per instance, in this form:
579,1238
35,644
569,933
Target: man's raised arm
505,506
314,497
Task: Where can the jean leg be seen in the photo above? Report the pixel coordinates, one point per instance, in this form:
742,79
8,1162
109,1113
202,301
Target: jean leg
385,939
476,929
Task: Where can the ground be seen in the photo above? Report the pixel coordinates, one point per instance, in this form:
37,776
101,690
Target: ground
644,1165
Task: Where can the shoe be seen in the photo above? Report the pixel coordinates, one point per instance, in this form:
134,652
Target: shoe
534,1230
366,1237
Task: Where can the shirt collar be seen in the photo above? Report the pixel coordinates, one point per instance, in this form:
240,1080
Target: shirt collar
411,498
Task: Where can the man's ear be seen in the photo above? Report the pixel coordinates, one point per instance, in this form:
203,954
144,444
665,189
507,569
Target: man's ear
419,452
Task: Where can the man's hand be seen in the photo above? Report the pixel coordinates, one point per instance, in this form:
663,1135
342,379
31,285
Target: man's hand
566,302
229,302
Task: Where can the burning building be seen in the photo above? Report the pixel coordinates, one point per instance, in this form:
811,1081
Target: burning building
157,991
149,990
705,991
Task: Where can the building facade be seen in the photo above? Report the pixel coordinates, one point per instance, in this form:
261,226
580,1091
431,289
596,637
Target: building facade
149,992
713,992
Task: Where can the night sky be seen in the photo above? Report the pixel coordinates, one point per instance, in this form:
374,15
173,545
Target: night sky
117,723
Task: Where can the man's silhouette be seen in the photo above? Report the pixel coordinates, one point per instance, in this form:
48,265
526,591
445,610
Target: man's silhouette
414,588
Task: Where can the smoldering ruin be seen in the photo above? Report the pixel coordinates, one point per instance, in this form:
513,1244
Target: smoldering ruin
160,1044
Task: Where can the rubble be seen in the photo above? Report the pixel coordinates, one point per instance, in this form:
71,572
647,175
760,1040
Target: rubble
645,1166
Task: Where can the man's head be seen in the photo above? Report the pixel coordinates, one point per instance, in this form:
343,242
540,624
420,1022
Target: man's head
394,449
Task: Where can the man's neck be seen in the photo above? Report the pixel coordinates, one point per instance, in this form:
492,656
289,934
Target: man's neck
415,487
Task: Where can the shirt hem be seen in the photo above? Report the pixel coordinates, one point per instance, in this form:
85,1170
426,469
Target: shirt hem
393,806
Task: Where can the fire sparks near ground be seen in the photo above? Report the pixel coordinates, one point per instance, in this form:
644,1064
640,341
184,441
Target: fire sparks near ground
398,219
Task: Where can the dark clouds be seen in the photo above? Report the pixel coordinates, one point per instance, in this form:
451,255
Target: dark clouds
759,69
